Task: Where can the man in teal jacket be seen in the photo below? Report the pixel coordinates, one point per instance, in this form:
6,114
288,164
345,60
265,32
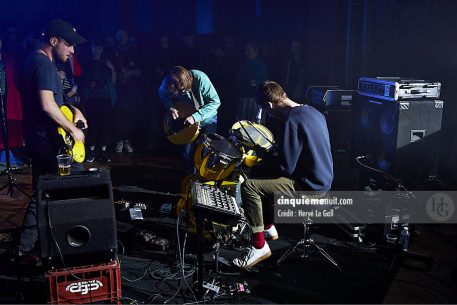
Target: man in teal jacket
193,87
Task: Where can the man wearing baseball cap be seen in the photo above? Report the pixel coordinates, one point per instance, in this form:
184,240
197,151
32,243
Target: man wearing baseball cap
61,28
42,95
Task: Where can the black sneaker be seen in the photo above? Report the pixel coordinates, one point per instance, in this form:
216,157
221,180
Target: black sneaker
104,157
90,156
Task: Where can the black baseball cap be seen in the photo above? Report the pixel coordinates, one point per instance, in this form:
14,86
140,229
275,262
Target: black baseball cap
61,28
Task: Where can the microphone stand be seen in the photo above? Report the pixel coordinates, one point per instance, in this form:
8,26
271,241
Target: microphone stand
10,185
400,254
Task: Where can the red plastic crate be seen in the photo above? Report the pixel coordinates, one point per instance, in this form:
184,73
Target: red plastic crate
78,285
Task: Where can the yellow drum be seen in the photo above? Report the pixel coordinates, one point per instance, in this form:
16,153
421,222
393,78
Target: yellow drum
176,131
250,138
215,157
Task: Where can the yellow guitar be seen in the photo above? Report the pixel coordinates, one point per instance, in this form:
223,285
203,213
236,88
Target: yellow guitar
72,147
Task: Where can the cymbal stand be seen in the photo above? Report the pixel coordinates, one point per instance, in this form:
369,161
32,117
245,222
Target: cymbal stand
306,242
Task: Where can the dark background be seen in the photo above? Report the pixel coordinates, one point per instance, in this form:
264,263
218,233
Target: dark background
344,39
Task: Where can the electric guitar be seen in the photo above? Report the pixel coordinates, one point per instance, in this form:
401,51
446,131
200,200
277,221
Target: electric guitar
72,147
176,131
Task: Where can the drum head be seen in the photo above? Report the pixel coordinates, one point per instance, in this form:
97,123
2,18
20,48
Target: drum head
215,157
222,146
175,130
252,134
179,134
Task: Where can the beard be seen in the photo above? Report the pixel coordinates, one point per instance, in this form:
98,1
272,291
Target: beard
59,56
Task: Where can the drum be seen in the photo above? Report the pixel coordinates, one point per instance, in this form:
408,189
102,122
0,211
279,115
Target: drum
252,139
176,131
215,157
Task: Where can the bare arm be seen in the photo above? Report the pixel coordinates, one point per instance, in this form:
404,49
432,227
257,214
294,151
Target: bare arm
78,116
49,106
73,91
113,71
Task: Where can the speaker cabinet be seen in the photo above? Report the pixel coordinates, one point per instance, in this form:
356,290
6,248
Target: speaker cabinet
76,219
336,105
399,137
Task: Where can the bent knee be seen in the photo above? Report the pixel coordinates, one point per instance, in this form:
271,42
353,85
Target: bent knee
248,185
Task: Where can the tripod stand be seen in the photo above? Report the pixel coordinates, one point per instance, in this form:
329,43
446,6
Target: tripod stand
10,184
307,242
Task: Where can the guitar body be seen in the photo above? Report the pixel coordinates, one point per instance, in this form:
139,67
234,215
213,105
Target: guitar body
74,148
175,130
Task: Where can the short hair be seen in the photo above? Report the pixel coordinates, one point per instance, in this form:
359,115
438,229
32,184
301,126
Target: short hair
179,77
45,38
269,92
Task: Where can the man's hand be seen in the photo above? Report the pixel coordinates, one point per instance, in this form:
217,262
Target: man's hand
78,134
61,74
78,116
73,91
189,120
174,113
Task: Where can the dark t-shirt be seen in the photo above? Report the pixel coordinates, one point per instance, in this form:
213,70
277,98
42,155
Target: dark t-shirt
40,131
95,80
304,149
39,73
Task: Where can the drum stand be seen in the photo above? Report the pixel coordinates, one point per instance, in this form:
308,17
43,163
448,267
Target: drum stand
307,242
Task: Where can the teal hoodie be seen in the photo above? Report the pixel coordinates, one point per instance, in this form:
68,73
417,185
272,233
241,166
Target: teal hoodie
205,94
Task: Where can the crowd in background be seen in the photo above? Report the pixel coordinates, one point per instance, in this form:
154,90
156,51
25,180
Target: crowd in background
114,80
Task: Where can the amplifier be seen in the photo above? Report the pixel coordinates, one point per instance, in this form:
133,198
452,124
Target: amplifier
76,219
401,138
214,200
397,88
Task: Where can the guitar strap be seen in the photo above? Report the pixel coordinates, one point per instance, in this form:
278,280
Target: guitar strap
194,100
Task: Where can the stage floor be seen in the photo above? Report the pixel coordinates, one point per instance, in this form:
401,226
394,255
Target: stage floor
150,275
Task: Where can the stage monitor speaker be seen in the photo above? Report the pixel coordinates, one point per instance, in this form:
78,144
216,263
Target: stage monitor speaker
315,96
76,219
336,105
398,137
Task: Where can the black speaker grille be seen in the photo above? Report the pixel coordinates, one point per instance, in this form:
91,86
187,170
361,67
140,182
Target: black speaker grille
401,138
76,220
